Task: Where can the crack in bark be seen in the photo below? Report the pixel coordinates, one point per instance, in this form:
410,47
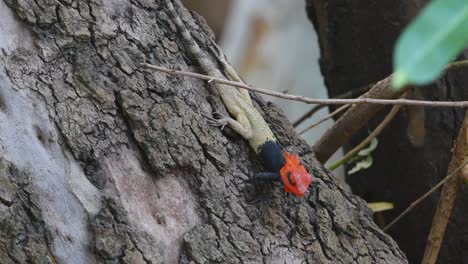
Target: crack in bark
131,137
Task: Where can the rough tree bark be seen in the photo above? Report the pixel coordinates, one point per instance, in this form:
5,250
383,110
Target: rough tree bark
357,40
103,162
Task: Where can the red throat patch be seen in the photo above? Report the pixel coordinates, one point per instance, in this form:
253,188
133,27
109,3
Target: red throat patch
295,177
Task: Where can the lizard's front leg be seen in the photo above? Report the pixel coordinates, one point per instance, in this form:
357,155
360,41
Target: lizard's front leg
240,125
267,176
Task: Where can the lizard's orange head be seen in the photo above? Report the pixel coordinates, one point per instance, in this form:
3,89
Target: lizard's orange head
295,177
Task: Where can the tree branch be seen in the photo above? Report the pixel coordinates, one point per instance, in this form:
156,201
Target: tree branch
358,115
447,197
372,135
352,120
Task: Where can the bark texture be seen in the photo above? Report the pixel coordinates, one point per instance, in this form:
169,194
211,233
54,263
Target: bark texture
357,40
103,162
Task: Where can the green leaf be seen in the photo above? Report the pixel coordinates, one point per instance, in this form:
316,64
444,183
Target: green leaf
380,206
362,165
430,42
356,157
371,147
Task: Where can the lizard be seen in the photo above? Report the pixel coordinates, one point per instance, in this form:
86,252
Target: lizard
248,122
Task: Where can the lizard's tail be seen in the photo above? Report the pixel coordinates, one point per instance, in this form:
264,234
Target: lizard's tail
191,43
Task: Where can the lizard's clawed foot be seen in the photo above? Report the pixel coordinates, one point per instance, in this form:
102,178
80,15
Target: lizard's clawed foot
217,120
262,186
217,115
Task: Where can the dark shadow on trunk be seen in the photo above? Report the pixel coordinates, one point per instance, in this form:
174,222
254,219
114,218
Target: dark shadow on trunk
357,40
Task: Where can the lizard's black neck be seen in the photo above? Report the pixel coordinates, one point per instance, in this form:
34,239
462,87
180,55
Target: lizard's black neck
271,156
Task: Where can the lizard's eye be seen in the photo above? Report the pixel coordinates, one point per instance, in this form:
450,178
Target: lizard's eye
290,180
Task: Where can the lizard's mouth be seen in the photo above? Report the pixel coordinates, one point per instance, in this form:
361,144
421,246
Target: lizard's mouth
296,180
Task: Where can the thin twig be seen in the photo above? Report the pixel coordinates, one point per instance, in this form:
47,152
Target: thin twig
307,115
316,108
332,114
309,100
372,135
424,196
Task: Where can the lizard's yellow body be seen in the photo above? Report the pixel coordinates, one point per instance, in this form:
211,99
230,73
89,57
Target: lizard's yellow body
248,122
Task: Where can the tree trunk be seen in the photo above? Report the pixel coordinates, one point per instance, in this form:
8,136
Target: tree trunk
357,39
103,162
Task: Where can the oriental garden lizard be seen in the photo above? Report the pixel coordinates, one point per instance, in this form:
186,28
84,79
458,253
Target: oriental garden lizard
247,122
